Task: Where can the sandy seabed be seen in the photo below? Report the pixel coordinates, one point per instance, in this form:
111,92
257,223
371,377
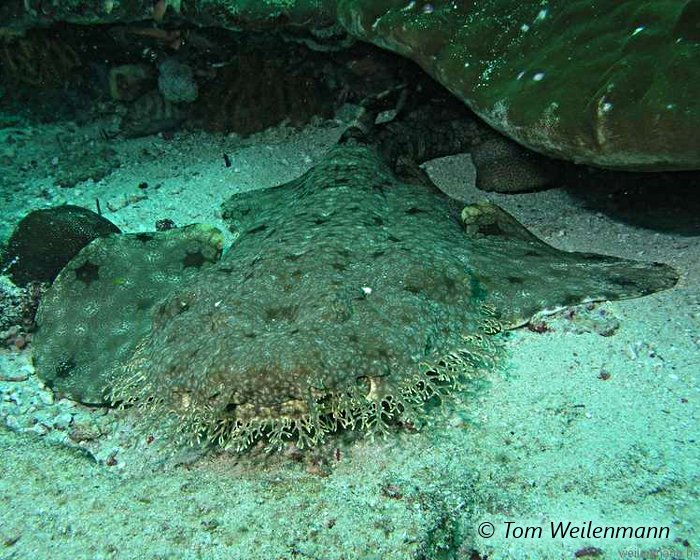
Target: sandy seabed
588,425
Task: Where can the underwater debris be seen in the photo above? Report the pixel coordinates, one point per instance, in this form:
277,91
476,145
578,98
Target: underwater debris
86,163
165,224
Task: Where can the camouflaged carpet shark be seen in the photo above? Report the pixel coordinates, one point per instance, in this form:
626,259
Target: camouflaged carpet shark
350,297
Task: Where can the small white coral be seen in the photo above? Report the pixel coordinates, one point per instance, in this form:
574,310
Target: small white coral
176,82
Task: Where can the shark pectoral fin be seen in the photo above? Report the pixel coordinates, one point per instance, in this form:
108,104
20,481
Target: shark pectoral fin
484,219
530,277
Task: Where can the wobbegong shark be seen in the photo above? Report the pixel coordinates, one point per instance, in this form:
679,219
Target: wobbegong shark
350,298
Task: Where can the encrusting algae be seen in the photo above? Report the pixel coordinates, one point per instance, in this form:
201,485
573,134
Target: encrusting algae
349,299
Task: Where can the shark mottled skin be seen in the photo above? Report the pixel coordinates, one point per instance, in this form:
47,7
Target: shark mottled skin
349,298
102,303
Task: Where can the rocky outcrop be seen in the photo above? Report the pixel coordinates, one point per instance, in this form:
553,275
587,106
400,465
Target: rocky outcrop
607,83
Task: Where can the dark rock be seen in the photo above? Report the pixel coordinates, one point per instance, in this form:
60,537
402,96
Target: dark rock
45,240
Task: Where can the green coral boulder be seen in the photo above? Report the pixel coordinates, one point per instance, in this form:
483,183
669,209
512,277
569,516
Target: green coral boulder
612,83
